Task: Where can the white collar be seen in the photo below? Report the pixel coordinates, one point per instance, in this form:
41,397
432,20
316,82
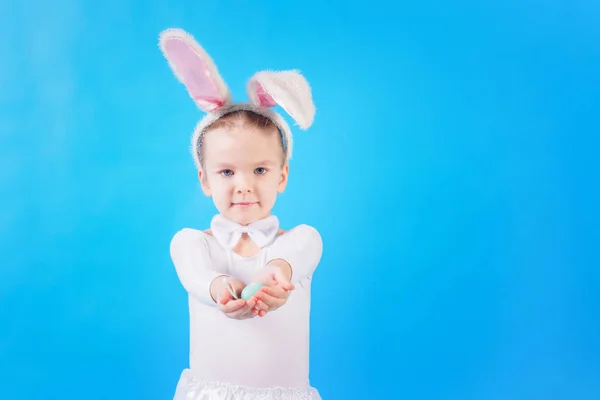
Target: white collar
228,232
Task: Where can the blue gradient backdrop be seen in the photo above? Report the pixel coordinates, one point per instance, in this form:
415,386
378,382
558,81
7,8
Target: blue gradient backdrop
451,171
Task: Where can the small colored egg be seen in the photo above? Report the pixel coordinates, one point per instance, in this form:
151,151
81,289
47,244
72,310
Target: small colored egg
251,290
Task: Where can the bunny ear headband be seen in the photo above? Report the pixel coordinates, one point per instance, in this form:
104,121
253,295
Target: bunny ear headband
196,70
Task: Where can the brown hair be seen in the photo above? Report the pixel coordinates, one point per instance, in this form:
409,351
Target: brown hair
238,119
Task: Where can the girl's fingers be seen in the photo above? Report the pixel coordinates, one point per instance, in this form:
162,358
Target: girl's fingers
250,307
260,305
275,291
233,306
224,297
271,303
269,298
244,311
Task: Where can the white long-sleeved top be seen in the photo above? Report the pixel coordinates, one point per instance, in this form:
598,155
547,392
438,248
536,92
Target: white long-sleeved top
267,357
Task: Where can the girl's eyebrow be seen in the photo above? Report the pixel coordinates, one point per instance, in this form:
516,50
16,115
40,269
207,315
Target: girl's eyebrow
228,165
265,162
223,165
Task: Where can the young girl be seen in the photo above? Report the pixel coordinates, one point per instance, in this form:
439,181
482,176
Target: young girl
248,280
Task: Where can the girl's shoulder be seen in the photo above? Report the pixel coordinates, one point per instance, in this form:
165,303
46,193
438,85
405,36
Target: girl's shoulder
300,234
191,233
191,236
302,229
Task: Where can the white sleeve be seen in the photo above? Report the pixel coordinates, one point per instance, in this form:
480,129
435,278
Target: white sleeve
302,248
191,257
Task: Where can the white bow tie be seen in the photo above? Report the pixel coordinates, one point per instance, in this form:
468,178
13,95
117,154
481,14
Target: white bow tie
228,233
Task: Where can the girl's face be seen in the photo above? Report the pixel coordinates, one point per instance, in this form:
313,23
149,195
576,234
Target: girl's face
243,171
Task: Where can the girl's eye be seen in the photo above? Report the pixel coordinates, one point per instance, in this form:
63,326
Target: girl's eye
260,170
227,172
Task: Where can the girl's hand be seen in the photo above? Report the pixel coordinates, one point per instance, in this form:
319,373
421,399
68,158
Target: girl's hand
276,278
236,309
269,299
233,308
276,272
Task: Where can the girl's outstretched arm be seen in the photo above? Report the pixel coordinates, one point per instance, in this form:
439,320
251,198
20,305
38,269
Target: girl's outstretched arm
190,255
300,249
293,257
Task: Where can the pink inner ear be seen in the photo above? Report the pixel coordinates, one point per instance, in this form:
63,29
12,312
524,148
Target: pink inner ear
263,98
195,74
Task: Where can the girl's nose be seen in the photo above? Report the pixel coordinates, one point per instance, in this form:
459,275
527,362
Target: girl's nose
244,185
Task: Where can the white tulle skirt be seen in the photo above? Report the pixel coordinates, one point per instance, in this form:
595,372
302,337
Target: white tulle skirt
190,388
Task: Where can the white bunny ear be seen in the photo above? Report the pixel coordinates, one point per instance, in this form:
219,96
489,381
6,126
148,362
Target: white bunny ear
288,89
195,69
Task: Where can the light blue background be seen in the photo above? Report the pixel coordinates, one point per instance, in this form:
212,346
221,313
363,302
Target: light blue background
451,171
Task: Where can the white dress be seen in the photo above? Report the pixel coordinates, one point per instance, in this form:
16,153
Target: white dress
259,358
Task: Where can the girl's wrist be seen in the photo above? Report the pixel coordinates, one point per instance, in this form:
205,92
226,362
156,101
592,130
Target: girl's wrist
283,266
216,287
